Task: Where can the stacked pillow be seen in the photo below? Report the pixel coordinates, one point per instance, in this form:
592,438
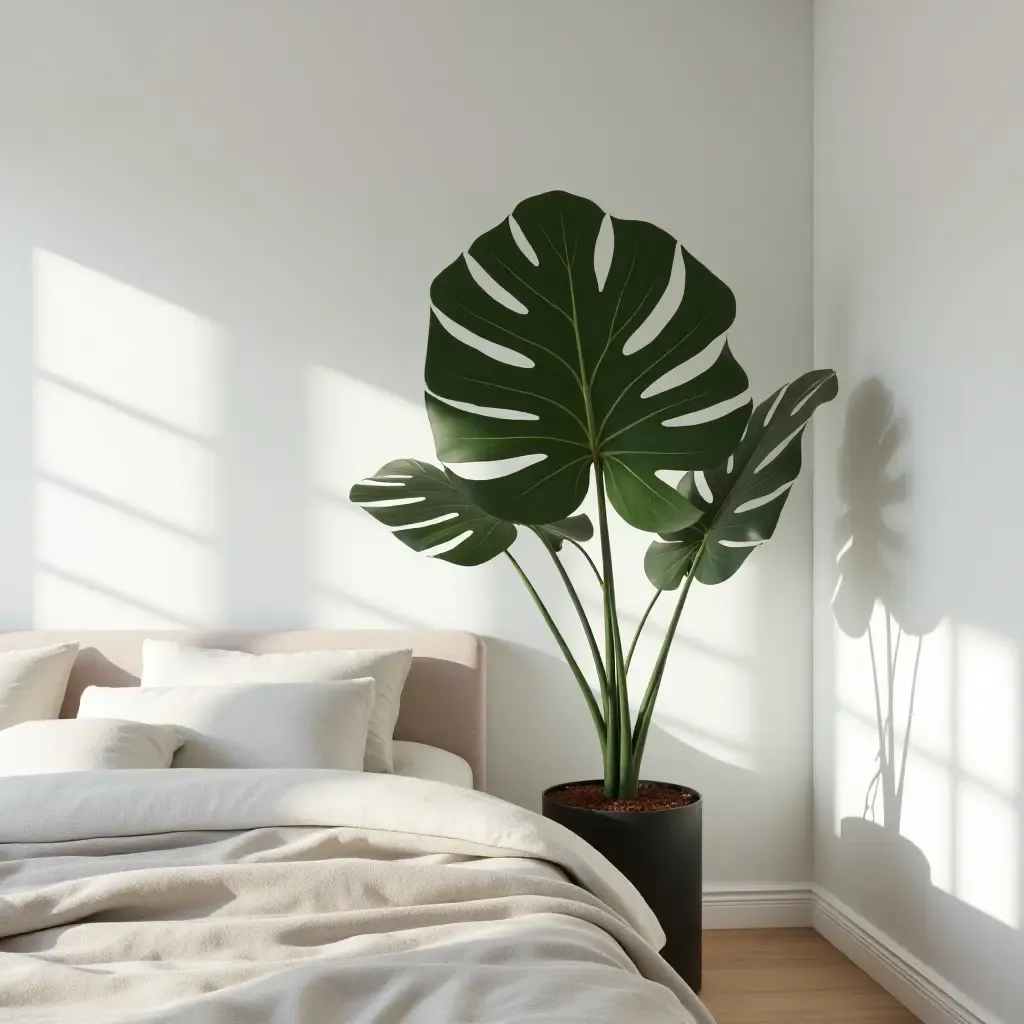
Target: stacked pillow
203,708
169,665
33,740
259,725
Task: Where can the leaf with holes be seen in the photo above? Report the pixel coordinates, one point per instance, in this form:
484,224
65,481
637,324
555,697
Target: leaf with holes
426,511
747,492
546,357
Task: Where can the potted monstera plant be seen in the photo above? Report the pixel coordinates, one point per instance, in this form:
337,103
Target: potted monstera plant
570,351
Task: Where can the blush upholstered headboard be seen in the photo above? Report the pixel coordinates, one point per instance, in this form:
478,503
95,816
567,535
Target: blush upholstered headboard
443,703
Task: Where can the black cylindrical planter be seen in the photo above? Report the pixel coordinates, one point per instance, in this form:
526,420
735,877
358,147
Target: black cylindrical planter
660,853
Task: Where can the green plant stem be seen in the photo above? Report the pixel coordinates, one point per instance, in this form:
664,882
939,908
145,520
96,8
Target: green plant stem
577,604
646,713
581,679
625,782
615,727
611,706
640,627
606,691
586,554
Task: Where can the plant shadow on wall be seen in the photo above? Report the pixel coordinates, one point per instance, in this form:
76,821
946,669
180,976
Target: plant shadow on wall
927,721
866,603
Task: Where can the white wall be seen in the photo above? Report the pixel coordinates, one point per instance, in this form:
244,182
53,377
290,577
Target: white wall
919,259
219,224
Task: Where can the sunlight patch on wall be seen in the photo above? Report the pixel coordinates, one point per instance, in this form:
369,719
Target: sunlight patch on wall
707,702
928,814
959,805
126,345
95,448
361,576
988,853
988,708
126,419
987,743
726,617
167,577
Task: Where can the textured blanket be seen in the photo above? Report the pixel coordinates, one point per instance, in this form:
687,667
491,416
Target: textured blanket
237,897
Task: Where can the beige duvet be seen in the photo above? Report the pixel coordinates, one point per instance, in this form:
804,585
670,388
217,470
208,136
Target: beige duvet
246,897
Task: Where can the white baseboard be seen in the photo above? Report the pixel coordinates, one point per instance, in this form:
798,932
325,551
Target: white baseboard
757,906
899,972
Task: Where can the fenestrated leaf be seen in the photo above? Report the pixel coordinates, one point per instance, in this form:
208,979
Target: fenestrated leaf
425,509
577,528
563,381
748,490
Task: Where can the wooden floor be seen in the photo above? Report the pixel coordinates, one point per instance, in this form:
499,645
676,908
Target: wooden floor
785,976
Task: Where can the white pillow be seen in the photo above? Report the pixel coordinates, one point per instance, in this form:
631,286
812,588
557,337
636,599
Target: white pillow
33,681
259,725
420,761
166,663
81,745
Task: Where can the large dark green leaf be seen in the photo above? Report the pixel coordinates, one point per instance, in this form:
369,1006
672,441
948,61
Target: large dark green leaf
425,510
564,381
748,490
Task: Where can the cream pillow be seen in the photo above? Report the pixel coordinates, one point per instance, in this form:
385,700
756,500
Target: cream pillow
83,745
257,725
166,663
33,681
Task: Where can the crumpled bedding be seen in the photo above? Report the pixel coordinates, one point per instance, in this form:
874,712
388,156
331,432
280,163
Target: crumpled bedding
308,897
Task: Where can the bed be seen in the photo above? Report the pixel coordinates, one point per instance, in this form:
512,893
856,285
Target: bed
303,895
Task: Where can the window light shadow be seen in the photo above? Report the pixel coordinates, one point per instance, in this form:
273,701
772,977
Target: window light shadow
348,552
80,600
126,410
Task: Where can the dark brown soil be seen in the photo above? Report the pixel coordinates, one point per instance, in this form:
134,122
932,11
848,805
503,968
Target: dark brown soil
651,796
